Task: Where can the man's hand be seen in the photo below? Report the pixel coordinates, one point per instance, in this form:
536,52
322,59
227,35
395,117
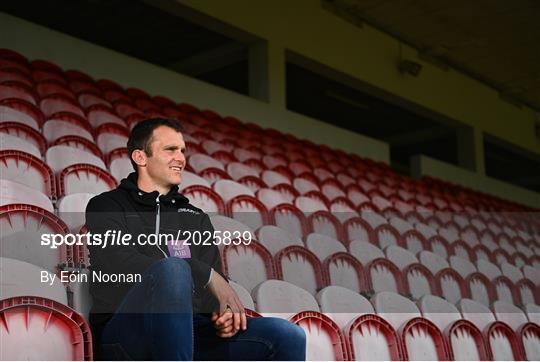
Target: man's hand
232,315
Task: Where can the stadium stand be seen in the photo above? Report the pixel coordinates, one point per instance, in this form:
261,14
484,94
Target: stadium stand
333,232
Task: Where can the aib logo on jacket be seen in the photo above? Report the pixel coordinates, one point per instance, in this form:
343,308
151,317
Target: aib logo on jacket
178,248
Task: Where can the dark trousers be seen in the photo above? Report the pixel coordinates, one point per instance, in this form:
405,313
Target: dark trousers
155,322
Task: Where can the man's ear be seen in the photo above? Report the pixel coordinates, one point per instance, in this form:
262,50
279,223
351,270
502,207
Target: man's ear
139,157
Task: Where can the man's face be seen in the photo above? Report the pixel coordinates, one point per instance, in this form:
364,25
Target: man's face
168,160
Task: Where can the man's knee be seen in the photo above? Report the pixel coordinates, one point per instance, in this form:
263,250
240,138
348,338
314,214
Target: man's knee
289,339
286,331
295,334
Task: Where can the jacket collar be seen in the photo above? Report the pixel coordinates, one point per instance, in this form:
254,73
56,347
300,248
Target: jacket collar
149,198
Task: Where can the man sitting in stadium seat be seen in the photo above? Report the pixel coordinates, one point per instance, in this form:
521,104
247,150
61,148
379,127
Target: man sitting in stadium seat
183,308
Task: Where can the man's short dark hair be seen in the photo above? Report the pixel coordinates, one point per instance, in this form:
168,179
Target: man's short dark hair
140,137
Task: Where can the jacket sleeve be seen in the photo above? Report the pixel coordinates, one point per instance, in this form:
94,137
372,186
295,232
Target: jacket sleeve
209,258
104,213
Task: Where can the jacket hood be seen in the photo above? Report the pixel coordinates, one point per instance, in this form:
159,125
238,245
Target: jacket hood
130,184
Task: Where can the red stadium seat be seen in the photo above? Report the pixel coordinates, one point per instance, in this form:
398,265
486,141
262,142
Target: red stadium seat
125,109
30,318
17,90
79,178
527,332
452,286
248,265
527,292
501,339
98,114
281,299
18,110
111,136
17,193
248,210
464,339
383,275
481,288
205,199
79,143
325,340
43,75
6,63
505,290
48,86
22,228
88,99
24,133
66,124
387,235
9,142
61,156
290,218
28,170
299,266
56,103
342,269
15,75
420,338
370,337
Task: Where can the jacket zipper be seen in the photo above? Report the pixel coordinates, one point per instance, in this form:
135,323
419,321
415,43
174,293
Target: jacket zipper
158,217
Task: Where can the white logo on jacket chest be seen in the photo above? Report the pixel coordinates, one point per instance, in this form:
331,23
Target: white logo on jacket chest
184,209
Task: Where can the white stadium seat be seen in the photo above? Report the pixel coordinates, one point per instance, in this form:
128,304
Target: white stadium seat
500,338
422,339
364,251
28,170
275,238
21,279
299,266
190,179
22,227
342,304
248,265
282,299
463,337
16,193
9,142
323,246
244,295
60,157
71,209
120,168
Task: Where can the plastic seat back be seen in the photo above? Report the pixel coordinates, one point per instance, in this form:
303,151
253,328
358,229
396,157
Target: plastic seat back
248,265
71,209
282,299
22,229
275,238
60,157
299,266
364,251
121,168
9,142
16,193
28,170
342,304
323,246
21,279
